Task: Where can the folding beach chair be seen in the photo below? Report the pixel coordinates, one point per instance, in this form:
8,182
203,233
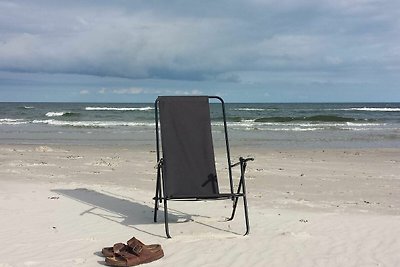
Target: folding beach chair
186,163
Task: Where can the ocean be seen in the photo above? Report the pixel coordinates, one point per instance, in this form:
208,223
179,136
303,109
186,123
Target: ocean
271,125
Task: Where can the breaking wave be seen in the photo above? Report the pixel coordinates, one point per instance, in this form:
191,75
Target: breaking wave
61,113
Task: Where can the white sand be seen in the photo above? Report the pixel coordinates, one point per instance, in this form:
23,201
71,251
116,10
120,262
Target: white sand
60,205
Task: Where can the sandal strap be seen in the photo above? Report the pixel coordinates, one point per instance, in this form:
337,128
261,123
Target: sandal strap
137,249
119,247
135,245
126,256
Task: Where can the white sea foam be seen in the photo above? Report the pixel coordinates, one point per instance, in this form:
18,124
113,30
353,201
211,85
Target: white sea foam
369,109
117,109
282,129
7,121
357,124
251,125
28,107
101,124
250,109
55,114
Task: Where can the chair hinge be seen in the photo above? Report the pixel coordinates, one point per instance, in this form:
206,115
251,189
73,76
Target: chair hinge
159,164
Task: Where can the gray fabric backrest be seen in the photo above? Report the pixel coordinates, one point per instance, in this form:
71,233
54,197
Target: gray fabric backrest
187,147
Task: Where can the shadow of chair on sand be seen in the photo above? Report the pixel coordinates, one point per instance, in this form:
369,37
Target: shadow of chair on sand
126,211
120,209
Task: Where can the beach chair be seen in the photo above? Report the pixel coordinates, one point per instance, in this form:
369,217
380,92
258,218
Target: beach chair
185,154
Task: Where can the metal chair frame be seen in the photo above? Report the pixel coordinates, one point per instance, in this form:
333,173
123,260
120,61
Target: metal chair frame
160,195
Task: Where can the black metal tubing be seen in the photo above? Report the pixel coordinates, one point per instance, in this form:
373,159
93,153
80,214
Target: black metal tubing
246,212
165,209
243,165
157,131
228,153
160,179
156,197
160,183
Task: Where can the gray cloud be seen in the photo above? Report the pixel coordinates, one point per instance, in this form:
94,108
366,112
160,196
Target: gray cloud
198,40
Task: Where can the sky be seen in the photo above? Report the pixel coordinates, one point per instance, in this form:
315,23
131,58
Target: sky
243,51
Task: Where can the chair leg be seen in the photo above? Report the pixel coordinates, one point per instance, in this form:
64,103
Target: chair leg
166,219
246,212
235,201
157,196
246,215
155,209
233,209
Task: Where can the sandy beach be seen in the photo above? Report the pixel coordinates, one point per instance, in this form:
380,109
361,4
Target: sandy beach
60,204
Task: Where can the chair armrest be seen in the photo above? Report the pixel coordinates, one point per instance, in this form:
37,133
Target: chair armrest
242,160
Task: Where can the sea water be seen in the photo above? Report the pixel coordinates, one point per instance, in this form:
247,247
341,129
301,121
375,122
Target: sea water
274,125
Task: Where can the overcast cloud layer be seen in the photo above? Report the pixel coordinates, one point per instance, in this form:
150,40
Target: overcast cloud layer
312,43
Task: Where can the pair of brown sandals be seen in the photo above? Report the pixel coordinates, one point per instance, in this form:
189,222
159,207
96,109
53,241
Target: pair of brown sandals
133,253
